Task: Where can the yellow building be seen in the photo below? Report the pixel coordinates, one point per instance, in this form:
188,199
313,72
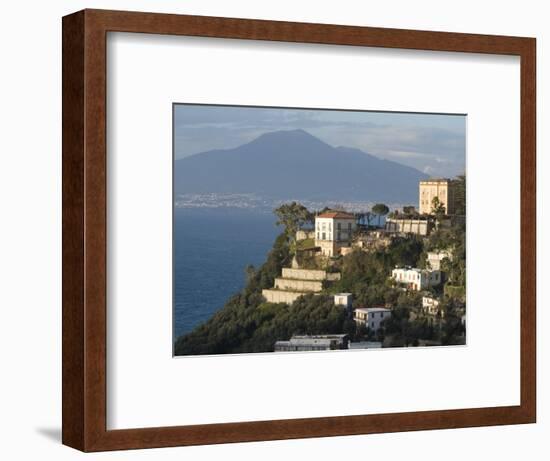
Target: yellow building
443,189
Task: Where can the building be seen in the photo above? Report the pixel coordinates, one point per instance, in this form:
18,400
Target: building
430,305
313,343
416,279
343,299
372,240
443,189
334,230
305,234
406,225
434,258
365,345
371,317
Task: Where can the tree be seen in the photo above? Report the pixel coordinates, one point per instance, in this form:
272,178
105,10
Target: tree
381,210
363,218
438,209
409,210
250,273
292,216
460,185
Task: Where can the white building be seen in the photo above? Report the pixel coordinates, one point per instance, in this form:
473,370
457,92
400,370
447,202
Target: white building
372,317
313,343
415,226
334,230
430,305
434,258
416,279
343,299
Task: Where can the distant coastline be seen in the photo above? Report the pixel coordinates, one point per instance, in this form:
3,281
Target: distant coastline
267,205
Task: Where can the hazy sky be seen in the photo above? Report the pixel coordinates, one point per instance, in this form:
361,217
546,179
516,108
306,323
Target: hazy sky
434,144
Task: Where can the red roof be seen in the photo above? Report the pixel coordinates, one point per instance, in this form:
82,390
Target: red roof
336,214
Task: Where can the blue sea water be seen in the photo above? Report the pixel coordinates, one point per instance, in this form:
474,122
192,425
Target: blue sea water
212,248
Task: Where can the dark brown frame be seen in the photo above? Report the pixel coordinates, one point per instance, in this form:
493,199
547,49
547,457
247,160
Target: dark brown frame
84,229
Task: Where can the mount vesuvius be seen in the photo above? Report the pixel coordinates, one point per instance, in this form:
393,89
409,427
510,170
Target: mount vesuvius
296,165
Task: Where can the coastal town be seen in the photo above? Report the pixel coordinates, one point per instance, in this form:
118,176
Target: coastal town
338,279
337,233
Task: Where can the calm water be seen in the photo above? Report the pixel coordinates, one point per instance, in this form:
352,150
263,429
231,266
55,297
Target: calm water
212,247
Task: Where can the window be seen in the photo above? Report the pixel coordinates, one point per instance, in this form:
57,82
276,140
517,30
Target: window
339,225
324,236
349,226
372,325
339,236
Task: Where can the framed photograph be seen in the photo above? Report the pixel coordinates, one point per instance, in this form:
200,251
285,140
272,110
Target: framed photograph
278,230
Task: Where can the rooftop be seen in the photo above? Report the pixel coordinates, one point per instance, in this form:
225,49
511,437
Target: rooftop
329,336
373,309
435,180
365,345
310,340
336,215
408,268
415,269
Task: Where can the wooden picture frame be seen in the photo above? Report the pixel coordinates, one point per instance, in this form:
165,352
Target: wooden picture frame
85,221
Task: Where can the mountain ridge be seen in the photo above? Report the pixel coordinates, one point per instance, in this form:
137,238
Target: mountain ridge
294,164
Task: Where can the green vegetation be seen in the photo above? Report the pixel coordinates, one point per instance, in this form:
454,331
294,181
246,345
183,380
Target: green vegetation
305,244
242,327
461,195
409,210
380,210
237,321
292,216
249,324
438,209
366,274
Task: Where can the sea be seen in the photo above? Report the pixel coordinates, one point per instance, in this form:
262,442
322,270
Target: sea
212,248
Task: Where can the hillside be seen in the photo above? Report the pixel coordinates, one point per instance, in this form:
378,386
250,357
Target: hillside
296,165
247,323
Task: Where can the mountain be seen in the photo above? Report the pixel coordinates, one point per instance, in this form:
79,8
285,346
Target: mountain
296,165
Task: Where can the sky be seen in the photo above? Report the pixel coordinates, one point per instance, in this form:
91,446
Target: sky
432,143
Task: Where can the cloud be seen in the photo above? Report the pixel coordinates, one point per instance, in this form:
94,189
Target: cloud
434,143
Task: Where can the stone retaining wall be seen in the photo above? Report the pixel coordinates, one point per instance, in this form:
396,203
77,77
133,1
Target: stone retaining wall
304,274
298,285
279,296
